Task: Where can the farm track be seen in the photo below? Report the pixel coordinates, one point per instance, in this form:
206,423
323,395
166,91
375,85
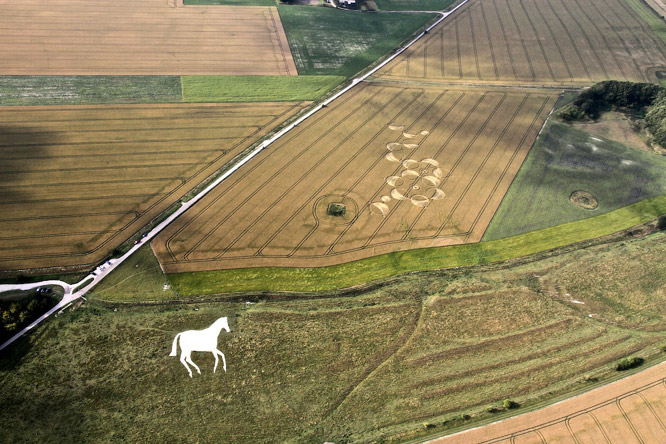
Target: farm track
143,159
127,38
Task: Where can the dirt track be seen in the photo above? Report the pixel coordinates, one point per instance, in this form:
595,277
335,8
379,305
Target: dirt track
77,37
632,410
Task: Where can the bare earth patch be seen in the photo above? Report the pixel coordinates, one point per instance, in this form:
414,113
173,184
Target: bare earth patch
616,126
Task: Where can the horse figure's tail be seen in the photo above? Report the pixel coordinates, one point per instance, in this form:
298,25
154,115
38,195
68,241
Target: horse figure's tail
174,348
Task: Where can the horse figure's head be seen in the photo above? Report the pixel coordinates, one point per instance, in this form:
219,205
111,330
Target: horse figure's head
220,324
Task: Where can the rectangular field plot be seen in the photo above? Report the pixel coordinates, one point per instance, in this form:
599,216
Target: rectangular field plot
384,168
516,41
58,37
77,181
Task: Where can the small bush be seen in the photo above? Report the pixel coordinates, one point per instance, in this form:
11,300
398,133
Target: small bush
663,348
428,425
465,417
509,404
627,363
492,409
590,378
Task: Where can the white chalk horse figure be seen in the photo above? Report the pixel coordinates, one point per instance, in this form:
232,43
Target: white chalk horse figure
200,340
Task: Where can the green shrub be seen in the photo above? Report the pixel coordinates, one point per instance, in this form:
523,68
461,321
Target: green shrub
465,417
509,404
627,363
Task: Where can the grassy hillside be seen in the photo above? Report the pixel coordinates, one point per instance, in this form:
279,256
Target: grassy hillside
256,88
328,41
341,368
565,160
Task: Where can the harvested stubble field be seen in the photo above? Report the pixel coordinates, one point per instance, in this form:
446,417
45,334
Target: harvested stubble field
414,167
350,367
77,181
70,37
629,411
516,41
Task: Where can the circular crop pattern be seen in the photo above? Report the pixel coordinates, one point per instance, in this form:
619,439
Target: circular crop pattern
584,200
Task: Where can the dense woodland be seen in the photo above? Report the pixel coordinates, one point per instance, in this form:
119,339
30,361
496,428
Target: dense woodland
642,99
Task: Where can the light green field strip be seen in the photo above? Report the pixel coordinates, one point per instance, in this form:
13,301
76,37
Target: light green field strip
657,25
371,269
256,88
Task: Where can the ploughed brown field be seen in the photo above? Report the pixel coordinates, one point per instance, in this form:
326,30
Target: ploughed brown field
527,41
56,37
411,166
77,181
632,410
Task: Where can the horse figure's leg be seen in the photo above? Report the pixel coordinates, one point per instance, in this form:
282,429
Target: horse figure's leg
189,359
224,361
184,355
216,361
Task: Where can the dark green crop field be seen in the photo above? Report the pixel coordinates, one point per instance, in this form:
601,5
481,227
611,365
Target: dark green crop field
81,90
327,41
565,160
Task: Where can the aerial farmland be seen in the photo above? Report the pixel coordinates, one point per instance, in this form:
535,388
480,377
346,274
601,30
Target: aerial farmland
353,221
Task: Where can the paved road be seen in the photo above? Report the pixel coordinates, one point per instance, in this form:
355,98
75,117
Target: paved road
73,292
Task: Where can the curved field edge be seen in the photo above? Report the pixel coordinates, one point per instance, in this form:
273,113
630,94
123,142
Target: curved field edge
366,270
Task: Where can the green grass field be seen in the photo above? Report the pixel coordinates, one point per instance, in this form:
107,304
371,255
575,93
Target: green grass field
393,363
414,5
327,41
80,90
256,88
656,24
564,160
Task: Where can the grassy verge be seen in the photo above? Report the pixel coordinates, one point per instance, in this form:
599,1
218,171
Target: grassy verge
375,367
256,88
328,41
414,5
656,24
564,160
367,270
81,90
139,278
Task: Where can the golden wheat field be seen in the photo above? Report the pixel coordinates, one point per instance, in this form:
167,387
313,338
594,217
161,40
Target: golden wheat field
528,41
412,167
77,181
78,37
